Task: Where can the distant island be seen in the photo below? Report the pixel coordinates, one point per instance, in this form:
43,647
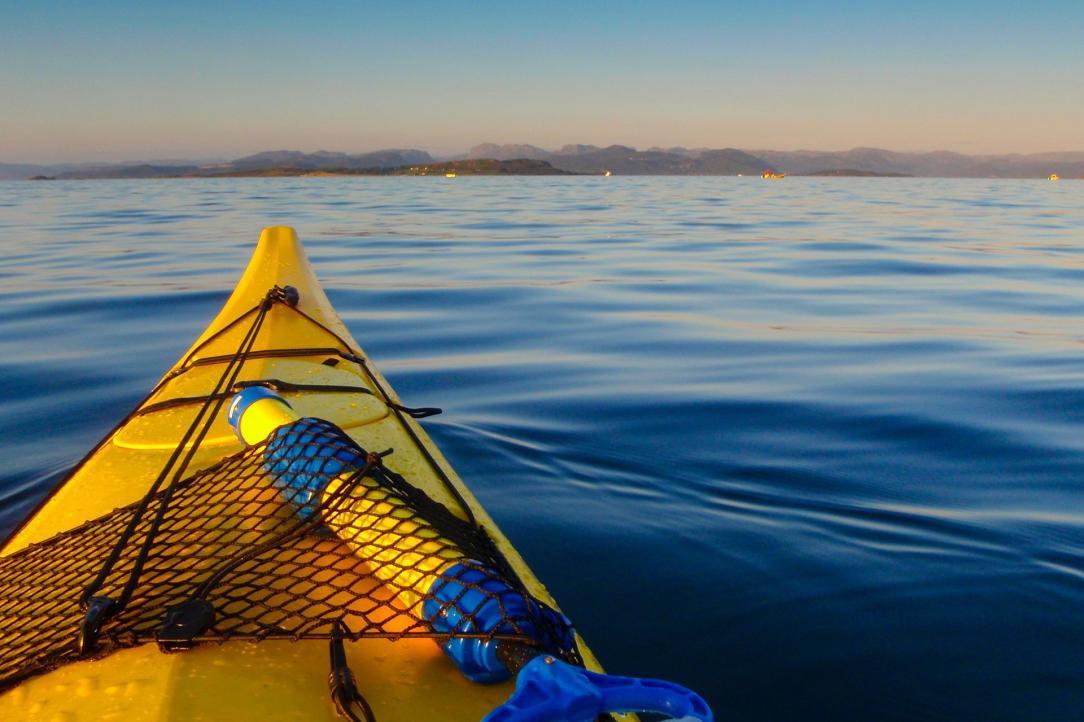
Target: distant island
483,166
525,159
854,173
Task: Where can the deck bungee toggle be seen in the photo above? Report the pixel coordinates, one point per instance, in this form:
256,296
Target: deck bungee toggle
460,596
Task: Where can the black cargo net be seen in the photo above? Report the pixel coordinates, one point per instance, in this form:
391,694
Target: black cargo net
306,535
248,551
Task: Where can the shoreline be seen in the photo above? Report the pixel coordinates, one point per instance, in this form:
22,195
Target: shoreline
296,173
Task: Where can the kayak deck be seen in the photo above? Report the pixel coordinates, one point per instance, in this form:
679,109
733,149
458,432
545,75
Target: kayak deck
407,679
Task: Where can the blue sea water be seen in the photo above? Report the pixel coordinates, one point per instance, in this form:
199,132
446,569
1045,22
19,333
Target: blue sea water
813,447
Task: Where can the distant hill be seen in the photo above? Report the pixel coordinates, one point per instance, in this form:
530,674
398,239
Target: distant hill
324,160
141,170
576,149
691,152
507,152
936,164
22,171
854,173
485,166
624,160
281,159
728,161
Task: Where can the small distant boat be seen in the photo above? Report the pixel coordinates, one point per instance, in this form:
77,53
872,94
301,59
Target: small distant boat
607,173
772,175
449,175
1054,176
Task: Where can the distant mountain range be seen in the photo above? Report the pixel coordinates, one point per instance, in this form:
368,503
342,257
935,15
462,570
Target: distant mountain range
729,161
623,160
324,160
481,166
291,161
590,159
936,164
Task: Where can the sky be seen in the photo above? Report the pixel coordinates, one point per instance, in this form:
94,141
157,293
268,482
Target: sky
86,81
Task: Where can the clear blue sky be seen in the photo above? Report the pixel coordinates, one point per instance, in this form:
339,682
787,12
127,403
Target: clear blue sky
129,80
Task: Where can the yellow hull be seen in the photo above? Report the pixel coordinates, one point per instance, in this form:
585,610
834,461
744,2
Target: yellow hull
403,680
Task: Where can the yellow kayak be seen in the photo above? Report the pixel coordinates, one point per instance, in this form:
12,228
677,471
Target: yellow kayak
265,670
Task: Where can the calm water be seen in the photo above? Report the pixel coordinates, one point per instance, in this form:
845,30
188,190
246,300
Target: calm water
813,447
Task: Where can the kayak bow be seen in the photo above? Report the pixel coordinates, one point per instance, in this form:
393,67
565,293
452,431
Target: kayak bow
278,341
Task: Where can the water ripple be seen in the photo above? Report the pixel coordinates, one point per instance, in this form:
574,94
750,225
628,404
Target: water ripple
813,447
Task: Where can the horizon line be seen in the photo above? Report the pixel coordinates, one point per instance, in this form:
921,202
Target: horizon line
174,158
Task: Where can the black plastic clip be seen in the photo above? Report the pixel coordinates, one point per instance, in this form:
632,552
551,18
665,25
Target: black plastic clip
344,687
421,412
99,610
183,623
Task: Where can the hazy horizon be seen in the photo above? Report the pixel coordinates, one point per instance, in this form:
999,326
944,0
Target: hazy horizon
122,81
209,159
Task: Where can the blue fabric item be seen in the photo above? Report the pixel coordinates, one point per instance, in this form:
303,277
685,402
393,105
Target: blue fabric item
470,598
548,689
303,457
